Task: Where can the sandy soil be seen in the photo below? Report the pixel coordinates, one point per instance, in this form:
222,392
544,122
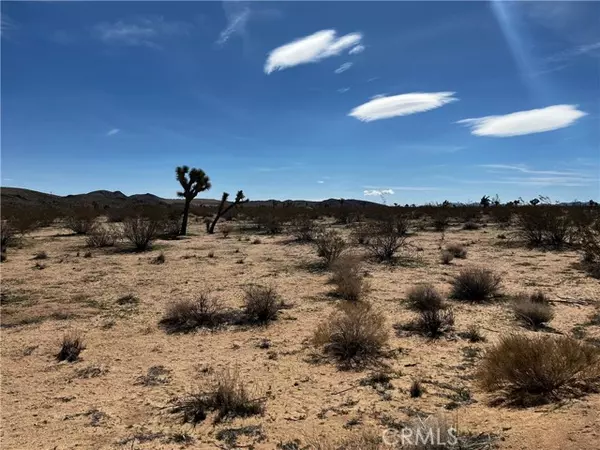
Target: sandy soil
50,405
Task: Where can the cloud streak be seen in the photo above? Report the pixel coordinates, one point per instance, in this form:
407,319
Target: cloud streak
139,31
356,49
379,192
237,14
343,68
525,122
113,132
383,107
310,49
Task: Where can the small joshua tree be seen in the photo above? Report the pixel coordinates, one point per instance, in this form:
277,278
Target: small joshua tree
192,185
239,198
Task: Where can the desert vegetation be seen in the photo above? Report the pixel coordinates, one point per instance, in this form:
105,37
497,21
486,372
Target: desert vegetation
270,318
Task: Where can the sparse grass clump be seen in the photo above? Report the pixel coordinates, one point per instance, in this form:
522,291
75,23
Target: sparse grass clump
434,323
530,369
471,226
71,347
347,276
228,396
40,255
261,304
416,389
424,297
354,335
531,313
473,334
446,257
330,246
188,315
158,259
475,284
457,250
303,229
385,241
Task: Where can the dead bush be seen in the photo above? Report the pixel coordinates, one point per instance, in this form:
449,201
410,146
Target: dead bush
544,225
530,369
261,304
385,242
590,245
457,250
433,323
102,236
354,335
532,314
303,229
416,389
71,347
81,221
424,297
475,284
347,276
228,396
188,315
140,231
471,226
330,245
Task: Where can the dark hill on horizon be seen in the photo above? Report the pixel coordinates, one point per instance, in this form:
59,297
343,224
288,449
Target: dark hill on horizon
13,197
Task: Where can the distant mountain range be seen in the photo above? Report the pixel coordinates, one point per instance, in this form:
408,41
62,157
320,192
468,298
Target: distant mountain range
19,197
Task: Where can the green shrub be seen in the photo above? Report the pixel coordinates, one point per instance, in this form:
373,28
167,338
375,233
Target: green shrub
330,245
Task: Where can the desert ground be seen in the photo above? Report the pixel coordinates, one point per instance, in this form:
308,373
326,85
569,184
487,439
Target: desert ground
109,399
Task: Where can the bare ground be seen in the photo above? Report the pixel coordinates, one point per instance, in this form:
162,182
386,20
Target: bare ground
50,404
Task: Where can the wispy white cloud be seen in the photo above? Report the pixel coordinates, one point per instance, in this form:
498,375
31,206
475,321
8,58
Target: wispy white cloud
113,132
520,174
145,31
320,182
525,122
237,14
6,25
343,67
356,49
401,105
343,90
379,192
310,49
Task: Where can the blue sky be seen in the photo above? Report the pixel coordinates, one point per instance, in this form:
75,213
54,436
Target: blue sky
420,101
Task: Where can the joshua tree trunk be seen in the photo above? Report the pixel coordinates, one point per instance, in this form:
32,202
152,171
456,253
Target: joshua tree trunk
239,198
184,221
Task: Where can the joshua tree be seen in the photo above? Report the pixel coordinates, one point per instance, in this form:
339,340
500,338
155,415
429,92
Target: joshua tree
239,198
196,182
485,201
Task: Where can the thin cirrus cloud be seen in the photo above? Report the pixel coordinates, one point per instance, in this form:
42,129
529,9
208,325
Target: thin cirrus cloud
113,132
343,68
525,122
383,107
139,31
310,49
356,49
237,14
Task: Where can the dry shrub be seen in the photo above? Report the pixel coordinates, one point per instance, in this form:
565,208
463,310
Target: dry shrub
471,226
159,259
303,229
446,257
102,236
71,347
354,335
81,221
530,369
347,276
7,237
424,297
261,304
544,225
434,323
361,233
539,297
590,244
40,255
385,242
457,250
475,284
188,315
473,334
330,245
532,314
140,231
228,396
416,389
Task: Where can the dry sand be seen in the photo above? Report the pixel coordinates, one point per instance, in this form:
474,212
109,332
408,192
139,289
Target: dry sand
47,405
